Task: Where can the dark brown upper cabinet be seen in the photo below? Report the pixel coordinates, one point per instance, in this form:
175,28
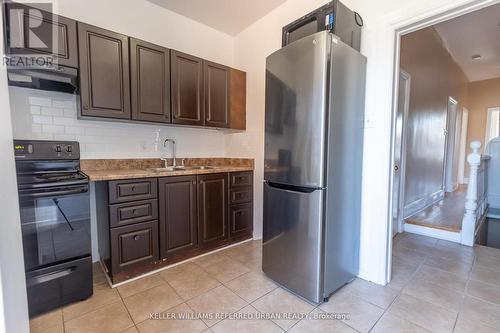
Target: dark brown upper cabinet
104,72
178,215
237,103
216,94
57,33
212,209
150,81
187,89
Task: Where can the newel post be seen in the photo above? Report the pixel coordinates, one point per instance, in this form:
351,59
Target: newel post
469,220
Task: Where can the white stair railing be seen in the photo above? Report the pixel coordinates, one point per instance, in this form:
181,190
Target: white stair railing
475,203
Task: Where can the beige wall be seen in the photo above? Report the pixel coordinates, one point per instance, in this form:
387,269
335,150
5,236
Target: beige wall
434,77
482,95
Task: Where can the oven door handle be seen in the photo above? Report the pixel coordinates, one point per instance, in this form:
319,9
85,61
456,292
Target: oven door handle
40,194
50,276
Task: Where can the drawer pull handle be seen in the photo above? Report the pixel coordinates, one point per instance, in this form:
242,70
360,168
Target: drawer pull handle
136,237
134,211
133,189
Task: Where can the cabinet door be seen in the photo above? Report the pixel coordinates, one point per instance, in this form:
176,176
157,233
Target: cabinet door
240,220
104,73
133,245
238,101
216,94
178,223
57,33
149,81
187,89
212,208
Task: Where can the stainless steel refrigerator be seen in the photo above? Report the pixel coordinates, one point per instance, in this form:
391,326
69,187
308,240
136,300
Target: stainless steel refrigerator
315,90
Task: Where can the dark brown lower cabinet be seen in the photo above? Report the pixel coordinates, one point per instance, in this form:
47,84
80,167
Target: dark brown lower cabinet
240,219
212,208
178,215
133,245
144,224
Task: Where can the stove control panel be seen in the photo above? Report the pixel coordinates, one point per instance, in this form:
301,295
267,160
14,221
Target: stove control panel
46,150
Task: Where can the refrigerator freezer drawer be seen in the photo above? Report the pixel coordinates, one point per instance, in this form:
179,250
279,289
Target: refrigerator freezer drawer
291,253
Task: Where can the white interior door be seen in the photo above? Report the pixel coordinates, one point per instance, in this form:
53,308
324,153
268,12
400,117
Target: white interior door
400,152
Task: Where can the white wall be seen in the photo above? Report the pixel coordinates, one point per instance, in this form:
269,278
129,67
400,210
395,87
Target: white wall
13,302
145,20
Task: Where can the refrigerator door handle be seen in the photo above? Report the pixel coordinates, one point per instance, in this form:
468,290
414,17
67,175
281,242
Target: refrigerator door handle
293,188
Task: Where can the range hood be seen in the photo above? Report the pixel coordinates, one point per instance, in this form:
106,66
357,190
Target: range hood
62,79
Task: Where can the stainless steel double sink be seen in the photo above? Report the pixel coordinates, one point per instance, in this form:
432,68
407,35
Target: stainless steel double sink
181,168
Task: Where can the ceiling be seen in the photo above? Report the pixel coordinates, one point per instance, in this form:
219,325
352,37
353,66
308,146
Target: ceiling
228,16
472,34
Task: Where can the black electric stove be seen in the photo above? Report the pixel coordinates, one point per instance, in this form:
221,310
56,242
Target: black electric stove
55,222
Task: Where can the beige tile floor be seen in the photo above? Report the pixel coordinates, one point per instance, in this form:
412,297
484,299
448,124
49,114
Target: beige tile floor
437,286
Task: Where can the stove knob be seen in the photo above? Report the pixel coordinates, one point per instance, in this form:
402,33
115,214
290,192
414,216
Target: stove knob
69,149
58,149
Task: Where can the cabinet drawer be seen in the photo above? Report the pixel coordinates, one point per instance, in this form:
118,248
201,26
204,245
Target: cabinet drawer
133,212
133,245
132,189
240,179
242,195
241,219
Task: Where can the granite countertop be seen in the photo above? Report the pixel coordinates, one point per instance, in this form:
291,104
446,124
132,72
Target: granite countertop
113,169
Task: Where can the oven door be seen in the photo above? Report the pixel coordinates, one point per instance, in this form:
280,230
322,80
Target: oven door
55,225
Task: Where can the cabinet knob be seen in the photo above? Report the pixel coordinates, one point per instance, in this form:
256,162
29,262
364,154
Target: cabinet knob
136,237
134,211
85,106
133,189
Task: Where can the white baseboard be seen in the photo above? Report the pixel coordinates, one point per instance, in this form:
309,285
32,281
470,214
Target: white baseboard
422,203
432,232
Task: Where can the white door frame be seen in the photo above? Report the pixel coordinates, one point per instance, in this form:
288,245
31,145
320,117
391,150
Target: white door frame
404,131
397,27
449,142
463,146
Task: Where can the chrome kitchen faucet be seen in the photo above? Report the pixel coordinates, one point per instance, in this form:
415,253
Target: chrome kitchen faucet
173,152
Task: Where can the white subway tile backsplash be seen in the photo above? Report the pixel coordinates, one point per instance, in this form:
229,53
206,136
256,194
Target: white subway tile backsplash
35,109
64,137
36,128
74,130
42,119
54,129
70,113
63,121
52,111
44,115
64,104
41,101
